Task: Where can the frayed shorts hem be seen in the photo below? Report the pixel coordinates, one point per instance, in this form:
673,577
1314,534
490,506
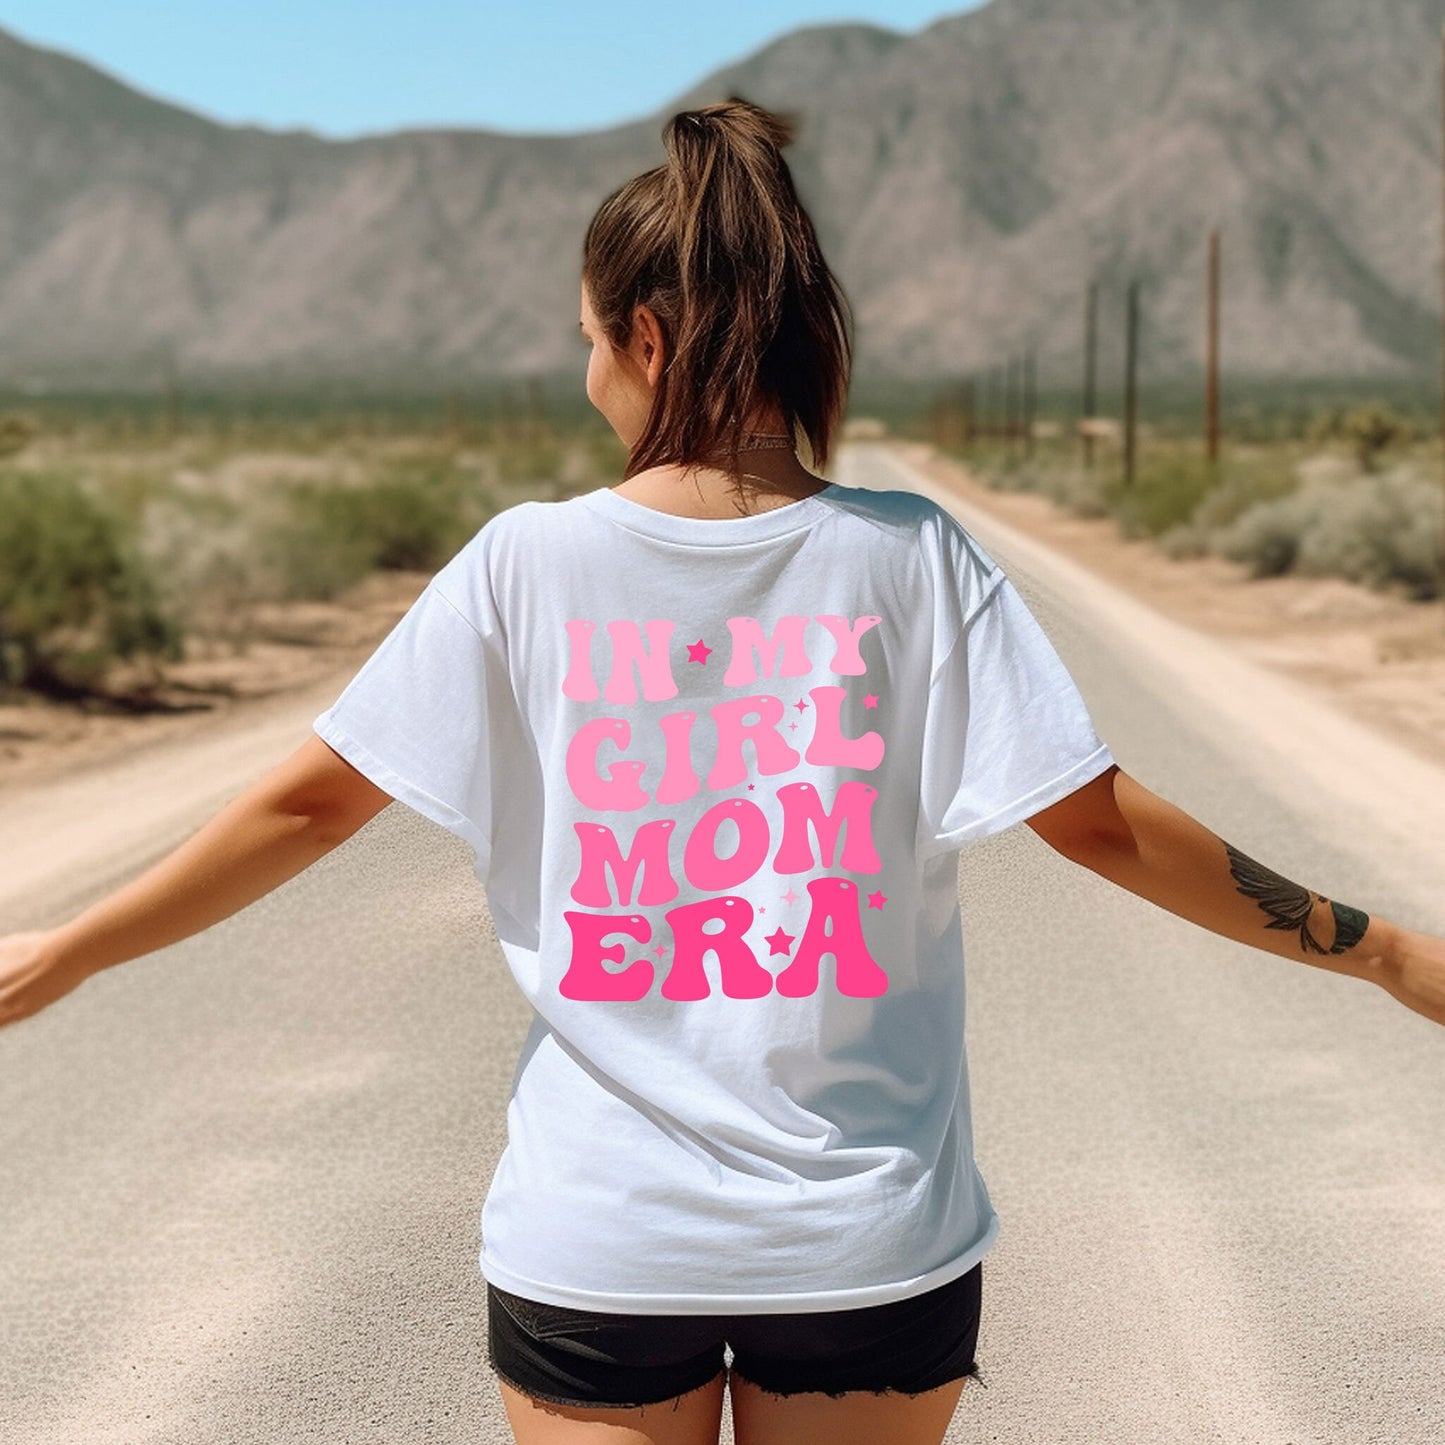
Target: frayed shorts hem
585,1358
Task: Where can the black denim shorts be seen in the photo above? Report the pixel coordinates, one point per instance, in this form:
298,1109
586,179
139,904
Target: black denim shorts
589,1357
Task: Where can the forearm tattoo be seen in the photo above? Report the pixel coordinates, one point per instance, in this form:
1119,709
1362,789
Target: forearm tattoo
1290,906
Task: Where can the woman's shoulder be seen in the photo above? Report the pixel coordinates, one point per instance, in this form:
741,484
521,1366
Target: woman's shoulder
922,520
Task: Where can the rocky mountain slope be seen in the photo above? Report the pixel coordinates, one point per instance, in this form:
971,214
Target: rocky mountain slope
966,179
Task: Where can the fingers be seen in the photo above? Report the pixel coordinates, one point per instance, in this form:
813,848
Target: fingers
30,979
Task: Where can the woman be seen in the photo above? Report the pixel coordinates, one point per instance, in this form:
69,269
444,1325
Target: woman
715,736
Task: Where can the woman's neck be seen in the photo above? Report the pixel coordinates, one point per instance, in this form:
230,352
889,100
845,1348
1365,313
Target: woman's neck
773,478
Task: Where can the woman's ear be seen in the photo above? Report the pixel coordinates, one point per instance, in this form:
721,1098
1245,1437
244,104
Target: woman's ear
647,342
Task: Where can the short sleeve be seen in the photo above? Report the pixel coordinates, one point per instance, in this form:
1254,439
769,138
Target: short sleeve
416,718
1007,731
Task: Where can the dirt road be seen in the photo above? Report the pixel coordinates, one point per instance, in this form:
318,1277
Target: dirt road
243,1174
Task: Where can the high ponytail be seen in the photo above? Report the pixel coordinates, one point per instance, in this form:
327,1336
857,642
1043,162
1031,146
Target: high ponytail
717,244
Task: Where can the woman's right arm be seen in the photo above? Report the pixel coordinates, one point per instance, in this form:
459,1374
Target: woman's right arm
303,808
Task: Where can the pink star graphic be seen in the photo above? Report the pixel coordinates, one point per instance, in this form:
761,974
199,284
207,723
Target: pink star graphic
801,705
871,700
698,651
778,941
790,897
876,900
659,950
751,786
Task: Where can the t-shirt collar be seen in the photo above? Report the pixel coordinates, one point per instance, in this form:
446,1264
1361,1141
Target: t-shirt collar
710,531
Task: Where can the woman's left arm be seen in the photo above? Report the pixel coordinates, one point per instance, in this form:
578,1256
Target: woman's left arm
1117,828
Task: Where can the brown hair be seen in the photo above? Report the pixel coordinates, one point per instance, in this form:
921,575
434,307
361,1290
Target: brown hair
717,244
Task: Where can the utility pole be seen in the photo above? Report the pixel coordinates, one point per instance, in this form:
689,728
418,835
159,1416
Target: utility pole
1131,362
1029,387
1091,342
1211,364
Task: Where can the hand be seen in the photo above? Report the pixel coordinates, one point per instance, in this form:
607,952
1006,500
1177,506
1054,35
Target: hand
1414,973
31,977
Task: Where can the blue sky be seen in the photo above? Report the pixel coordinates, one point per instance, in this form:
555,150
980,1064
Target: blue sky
348,67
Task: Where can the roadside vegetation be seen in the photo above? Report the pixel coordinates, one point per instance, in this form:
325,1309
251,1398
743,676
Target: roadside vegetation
125,542
135,537
1356,493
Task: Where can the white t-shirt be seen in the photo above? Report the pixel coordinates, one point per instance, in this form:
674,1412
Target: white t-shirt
716,774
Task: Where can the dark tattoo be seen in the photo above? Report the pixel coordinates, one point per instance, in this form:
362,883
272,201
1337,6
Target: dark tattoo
1290,906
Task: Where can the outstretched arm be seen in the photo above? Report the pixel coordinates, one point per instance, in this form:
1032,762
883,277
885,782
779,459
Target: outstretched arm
1120,830
303,808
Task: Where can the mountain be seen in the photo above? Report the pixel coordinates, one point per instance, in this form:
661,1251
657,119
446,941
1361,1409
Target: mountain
967,180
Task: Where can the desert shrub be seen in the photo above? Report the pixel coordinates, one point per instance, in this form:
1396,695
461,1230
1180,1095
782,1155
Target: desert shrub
330,536
1002,467
75,591
1078,489
1166,490
1252,421
1382,531
1266,537
131,492
1371,429
1325,425
1244,477
17,431
1011,471
201,544
1379,530
1185,539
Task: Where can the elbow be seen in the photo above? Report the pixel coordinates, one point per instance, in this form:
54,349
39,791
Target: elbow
1100,851
1088,826
322,793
